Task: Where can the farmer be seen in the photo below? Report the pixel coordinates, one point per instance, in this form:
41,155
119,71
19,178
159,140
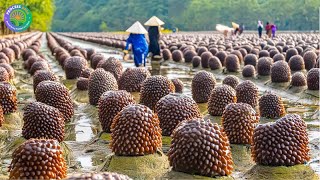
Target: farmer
273,29
260,28
154,34
268,29
138,42
236,28
241,28
236,31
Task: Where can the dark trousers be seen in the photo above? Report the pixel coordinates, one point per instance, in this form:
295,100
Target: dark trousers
260,33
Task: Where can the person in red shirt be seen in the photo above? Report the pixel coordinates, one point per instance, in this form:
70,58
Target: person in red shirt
268,29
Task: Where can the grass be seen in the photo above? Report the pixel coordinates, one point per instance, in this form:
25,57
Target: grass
281,172
138,167
67,153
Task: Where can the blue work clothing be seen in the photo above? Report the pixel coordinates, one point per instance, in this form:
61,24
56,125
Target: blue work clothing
139,48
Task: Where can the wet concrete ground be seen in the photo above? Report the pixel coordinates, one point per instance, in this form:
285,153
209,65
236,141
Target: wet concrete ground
86,152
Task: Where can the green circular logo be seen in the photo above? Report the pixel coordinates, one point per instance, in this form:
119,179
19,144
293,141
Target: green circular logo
18,18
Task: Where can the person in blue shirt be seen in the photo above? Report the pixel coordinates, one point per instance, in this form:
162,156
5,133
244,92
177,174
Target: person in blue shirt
139,45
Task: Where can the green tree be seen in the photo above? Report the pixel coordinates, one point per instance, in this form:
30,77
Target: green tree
187,15
103,26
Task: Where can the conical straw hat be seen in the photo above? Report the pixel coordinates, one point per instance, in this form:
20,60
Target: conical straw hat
235,25
137,28
154,21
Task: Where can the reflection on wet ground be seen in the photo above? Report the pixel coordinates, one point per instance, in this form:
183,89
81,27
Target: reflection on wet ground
85,151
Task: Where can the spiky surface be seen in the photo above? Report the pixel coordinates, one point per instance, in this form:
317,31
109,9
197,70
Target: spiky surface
9,69
39,65
8,97
62,59
100,81
201,86
153,89
57,95
250,59
247,92
166,54
280,72
38,159
238,122
291,52
231,80
135,131
205,56
4,57
10,54
174,108
99,176
1,116
112,65
31,60
90,52
3,61
222,55
264,53
243,52
273,53
27,53
4,75
310,59
178,84
110,104
132,79
214,63
298,79
232,63
283,143
213,51
196,60
177,56
271,106
200,147
248,71
188,55
247,47
278,57
86,72
74,66
201,50
96,59
296,63
43,75
313,79
220,97
83,84
16,50
76,52
264,66
238,54
42,121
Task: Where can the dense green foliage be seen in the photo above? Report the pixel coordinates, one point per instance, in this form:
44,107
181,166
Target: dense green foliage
117,15
42,12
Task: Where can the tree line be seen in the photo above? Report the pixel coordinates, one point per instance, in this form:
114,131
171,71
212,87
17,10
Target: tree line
187,15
